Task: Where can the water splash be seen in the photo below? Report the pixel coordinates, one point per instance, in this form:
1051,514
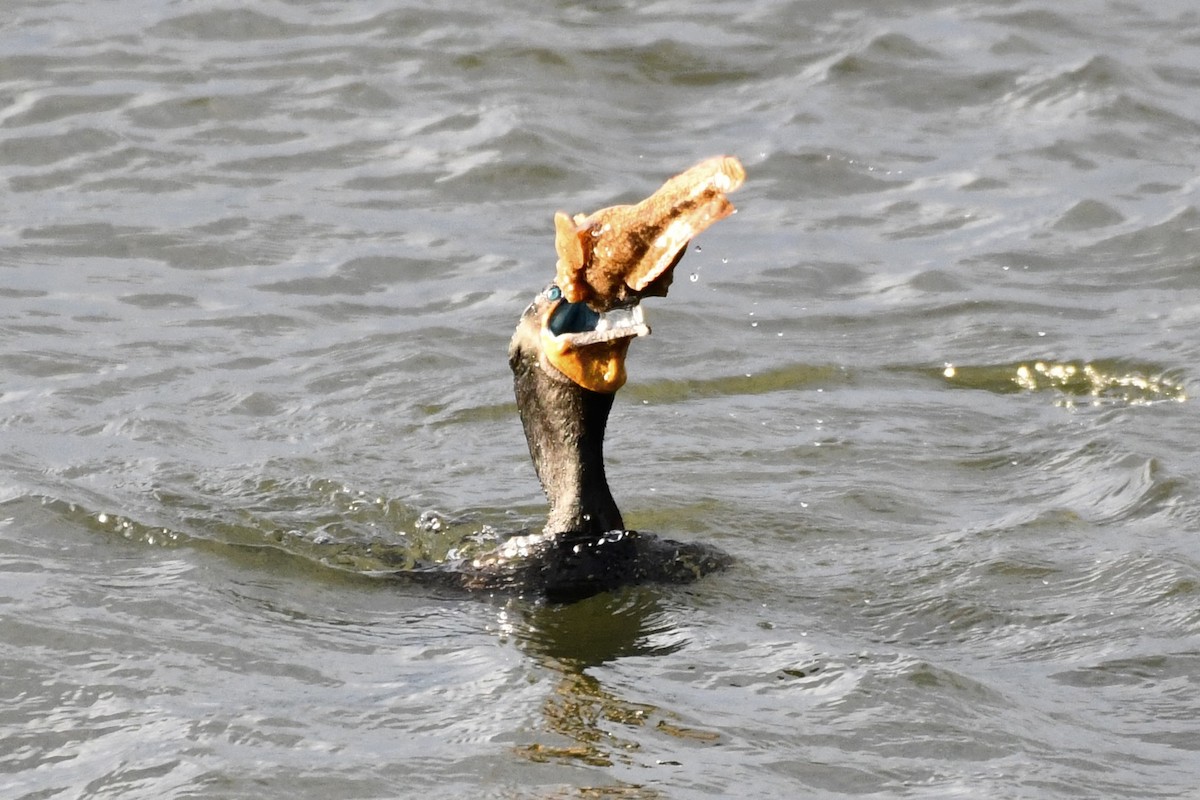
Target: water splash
1075,383
1097,384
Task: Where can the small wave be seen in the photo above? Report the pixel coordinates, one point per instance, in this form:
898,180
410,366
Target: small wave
896,68
1085,86
332,527
228,25
1074,383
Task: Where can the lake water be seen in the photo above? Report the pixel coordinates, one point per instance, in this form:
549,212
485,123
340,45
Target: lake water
932,387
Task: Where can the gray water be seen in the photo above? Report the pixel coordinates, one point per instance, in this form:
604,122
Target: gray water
932,387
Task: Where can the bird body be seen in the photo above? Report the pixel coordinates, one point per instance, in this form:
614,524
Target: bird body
568,360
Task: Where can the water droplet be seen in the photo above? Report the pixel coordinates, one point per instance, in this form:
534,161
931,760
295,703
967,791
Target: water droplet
694,277
698,248
429,521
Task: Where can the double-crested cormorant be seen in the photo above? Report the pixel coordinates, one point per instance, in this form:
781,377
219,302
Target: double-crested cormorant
568,360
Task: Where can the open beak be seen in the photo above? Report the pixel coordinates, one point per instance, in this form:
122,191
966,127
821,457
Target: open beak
589,347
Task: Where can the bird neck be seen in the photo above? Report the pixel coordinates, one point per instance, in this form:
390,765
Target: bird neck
564,426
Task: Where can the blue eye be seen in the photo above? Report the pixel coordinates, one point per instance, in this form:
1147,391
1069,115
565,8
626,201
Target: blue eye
553,293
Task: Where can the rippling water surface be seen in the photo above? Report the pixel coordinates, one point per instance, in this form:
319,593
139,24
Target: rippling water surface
932,387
